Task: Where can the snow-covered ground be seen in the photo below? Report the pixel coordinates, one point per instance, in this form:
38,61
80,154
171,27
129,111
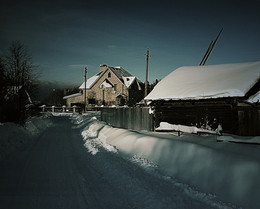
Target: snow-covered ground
13,136
125,168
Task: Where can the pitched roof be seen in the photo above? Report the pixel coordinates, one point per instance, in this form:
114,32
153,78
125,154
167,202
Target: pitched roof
90,82
72,95
210,81
120,73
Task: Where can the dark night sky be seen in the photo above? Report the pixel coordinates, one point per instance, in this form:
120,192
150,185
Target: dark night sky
64,36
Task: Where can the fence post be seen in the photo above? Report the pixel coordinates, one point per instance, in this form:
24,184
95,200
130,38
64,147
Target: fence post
53,108
74,108
43,108
63,108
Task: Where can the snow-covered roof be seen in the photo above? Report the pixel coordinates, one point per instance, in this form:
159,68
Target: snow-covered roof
254,98
120,72
72,95
124,76
204,82
90,81
106,84
128,80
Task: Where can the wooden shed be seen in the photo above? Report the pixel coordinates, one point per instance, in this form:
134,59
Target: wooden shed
205,96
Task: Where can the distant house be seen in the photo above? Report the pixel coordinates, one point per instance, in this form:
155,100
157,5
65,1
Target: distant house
110,86
208,95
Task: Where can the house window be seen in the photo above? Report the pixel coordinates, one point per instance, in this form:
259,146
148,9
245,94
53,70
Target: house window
109,75
115,87
91,101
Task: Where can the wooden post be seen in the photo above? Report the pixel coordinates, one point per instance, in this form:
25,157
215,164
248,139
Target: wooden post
43,108
85,89
74,108
146,74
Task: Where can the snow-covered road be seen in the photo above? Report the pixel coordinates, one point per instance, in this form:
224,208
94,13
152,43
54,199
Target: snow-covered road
57,171
77,161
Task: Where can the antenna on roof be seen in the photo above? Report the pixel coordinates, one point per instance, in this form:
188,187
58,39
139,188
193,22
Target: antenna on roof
212,44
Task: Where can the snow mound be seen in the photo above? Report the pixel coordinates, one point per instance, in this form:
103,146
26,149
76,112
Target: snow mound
94,140
164,126
83,120
242,140
35,125
143,162
229,171
14,136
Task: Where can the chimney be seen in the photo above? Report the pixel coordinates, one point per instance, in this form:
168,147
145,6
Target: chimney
102,67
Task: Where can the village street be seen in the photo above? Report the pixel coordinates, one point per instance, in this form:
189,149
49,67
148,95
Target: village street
57,171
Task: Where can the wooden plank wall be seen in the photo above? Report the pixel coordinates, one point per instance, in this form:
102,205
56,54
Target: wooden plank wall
235,119
134,118
199,115
249,121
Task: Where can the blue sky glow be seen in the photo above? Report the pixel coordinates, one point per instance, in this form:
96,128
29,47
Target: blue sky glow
64,36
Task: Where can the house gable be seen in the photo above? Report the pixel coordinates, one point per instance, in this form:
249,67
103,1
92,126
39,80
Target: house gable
107,87
110,82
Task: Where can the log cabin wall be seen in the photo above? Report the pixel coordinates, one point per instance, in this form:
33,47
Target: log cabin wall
236,118
199,113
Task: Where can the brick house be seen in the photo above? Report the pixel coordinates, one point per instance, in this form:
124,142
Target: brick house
110,86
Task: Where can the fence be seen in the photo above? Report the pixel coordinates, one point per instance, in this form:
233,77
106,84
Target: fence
135,118
63,109
249,121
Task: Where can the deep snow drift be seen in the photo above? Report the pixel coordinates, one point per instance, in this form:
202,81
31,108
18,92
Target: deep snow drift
228,170
220,174
14,136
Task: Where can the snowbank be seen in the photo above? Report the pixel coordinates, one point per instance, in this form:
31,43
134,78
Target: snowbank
164,126
230,171
242,140
14,136
35,125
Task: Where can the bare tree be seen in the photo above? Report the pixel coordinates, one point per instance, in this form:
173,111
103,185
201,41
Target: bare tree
20,76
19,68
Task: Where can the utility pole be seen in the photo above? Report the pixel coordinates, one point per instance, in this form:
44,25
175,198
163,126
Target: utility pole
146,74
85,88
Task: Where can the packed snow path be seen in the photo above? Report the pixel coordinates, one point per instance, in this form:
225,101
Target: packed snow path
57,171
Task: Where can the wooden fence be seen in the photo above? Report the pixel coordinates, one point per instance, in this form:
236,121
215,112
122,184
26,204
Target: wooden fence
135,118
249,121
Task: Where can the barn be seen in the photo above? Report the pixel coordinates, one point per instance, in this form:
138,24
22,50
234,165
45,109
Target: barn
205,96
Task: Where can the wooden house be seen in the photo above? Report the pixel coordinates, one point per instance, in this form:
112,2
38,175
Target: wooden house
110,86
205,96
